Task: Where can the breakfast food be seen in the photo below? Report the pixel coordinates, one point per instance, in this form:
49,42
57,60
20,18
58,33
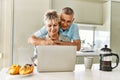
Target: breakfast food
14,69
26,69
22,70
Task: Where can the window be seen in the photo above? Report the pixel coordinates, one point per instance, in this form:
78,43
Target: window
91,38
102,38
86,38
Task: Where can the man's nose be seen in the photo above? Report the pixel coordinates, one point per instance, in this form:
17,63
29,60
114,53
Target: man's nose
65,23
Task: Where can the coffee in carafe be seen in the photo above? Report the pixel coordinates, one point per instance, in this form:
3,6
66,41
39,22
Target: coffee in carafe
106,59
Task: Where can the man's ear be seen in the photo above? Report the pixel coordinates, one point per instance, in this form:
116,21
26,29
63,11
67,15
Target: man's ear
73,19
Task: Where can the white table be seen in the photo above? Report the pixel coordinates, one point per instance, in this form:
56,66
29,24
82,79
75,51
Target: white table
79,74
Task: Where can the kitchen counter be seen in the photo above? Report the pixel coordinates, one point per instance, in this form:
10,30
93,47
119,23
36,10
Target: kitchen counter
87,53
80,73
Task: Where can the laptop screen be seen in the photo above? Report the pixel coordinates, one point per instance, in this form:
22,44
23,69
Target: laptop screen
56,58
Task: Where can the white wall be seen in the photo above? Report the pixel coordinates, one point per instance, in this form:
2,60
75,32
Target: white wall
6,32
1,30
0,24
18,24
28,18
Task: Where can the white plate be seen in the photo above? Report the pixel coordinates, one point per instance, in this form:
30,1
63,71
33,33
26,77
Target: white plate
17,75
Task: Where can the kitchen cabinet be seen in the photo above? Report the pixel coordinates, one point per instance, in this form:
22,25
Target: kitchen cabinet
115,26
112,21
86,12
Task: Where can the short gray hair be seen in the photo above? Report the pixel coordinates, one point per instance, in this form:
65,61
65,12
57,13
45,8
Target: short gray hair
68,11
50,15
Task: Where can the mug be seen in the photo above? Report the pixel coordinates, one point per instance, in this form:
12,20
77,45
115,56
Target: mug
106,65
88,61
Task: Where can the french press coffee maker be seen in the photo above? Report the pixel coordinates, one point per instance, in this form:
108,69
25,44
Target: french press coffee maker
106,59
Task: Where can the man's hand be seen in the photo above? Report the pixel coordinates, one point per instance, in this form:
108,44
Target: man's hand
57,42
49,42
40,41
76,43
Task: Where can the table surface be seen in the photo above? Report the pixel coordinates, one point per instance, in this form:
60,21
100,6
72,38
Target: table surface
80,73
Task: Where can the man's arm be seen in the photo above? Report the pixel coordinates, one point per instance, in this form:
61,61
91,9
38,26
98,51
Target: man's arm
74,43
33,40
77,43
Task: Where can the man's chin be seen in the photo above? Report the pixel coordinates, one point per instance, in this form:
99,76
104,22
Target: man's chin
63,28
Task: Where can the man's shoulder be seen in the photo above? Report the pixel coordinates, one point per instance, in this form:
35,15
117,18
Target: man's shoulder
74,26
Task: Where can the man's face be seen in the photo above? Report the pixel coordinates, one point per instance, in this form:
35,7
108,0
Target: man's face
66,21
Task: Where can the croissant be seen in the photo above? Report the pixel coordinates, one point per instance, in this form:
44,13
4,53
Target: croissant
26,69
14,69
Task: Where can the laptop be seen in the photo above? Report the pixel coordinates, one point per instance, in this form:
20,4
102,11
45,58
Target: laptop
56,58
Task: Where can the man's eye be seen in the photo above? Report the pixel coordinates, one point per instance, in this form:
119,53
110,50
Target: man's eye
49,25
68,21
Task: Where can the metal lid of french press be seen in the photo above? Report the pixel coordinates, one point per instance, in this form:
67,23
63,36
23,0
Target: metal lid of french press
105,49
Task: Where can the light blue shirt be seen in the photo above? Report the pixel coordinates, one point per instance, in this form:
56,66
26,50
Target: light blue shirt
72,32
